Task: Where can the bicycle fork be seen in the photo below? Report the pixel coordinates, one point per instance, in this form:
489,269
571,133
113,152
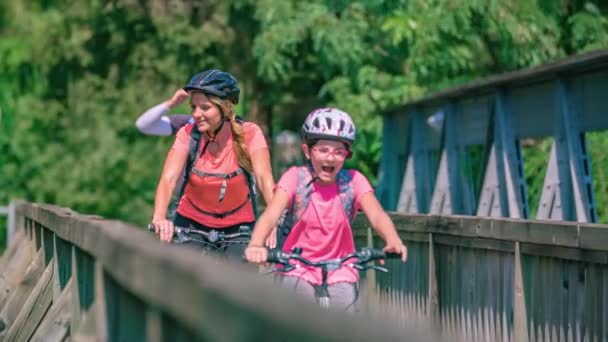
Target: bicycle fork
321,291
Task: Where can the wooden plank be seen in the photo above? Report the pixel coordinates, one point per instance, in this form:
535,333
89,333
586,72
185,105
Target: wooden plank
56,323
520,322
15,268
33,309
27,283
75,302
564,234
594,237
433,294
479,244
154,325
15,245
100,309
565,253
56,286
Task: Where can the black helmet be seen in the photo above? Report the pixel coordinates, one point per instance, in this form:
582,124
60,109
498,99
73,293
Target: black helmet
217,83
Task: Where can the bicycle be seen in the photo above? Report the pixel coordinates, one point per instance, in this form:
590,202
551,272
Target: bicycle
363,257
213,240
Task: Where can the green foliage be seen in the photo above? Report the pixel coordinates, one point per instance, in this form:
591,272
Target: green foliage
536,154
75,75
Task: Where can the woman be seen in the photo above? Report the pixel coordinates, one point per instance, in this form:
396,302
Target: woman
218,192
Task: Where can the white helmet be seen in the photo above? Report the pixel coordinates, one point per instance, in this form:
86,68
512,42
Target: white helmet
329,123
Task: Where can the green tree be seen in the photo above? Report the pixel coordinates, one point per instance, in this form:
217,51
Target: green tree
76,75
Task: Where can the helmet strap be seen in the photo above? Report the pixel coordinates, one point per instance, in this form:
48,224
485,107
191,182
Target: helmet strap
216,131
312,173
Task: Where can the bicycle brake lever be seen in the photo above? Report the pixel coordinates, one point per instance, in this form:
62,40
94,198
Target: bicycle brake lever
285,269
270,271
359,267
381,269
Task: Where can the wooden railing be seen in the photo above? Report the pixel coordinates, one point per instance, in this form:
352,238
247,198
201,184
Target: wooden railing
482,279
66,274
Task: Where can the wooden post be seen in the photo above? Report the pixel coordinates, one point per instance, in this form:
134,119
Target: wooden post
433,296
101,324
371,297
520,321
56,284
76,314
11,222
154,322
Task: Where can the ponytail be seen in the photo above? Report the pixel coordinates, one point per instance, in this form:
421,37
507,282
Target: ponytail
238,133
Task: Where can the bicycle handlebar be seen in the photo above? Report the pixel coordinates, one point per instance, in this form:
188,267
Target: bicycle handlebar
211,236
363,255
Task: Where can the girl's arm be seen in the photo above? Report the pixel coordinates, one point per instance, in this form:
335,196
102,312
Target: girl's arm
255,252
382,224
174,163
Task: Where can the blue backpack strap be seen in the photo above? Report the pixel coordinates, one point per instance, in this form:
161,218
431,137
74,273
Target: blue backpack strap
252,192
347,193
300,201
193,147
250,179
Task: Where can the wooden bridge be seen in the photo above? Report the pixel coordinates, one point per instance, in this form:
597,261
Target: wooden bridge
67,276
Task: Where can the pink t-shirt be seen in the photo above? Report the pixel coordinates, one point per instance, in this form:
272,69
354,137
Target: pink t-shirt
324,231
220,157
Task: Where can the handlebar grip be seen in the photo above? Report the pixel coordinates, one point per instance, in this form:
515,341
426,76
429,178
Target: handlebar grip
151,227
274,255
377,254
390,255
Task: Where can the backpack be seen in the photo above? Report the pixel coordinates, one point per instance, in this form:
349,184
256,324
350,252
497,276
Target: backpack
193,148
302,197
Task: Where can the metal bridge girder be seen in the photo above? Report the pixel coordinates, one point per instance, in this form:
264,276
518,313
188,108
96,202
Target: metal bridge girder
504,187
568,186
448,193
417,184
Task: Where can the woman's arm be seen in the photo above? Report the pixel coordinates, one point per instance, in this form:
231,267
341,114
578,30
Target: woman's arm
382,224
155,121
255,252
262,170
174,163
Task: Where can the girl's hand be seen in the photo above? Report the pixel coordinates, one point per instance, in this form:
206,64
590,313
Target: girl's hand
256,254
180,96
164,229
271,240
396,247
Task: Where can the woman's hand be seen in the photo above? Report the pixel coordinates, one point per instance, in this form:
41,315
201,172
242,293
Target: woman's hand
397,247
180,96
164,229
256,254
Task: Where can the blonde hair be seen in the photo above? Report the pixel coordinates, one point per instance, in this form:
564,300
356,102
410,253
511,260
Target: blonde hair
238,133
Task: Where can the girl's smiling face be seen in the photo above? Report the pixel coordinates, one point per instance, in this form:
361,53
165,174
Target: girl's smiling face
327,158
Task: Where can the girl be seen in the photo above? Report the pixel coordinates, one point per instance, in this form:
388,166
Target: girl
321,200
